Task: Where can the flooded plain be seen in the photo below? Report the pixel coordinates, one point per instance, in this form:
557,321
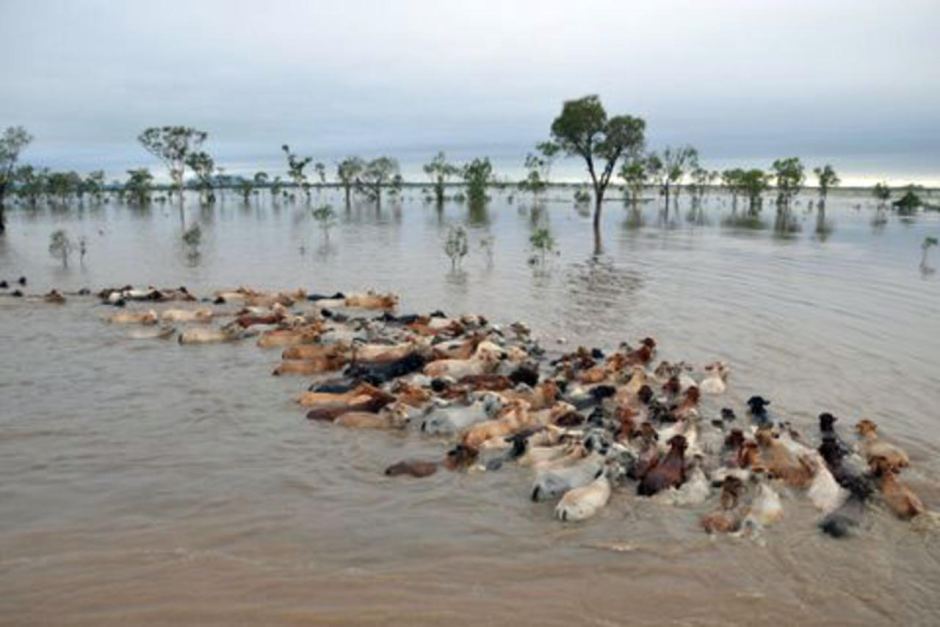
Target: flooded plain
148,482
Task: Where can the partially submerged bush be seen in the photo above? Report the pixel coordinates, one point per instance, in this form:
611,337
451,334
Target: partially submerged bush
325,217
909,202
456,246
582,196
192,237
929,242
478,175
542,243
60,246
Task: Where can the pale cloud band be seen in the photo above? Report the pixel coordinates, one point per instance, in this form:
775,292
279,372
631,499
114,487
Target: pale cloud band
854,82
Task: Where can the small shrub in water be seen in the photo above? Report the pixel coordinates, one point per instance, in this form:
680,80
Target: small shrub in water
908,203
929,242
486,243
542,243
326,218
192,237
582,196
456,246
60,246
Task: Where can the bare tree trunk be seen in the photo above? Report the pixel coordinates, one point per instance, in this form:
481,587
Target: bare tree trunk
598,200
598,244
3,215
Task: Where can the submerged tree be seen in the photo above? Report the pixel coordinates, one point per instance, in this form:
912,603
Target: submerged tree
320,169
827,178
203,166
30,183
138,186
277,187
882,192
538,166
93,185
789,178
348,171
657,173
910,202
60,247
295,170
12,142
731,180
192,237
702,180
62,186
635,175
675,161
439,171
583,129
582,196
456,246
477,174
753,183
173,145
246,186
378,172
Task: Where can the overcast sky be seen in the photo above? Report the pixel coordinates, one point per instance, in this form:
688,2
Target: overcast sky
854,82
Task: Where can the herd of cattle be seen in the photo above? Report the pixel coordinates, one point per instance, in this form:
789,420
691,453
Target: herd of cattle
586,423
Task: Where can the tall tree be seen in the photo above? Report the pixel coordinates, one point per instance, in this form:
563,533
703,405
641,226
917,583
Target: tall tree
12,143
348,171
583,129
172,145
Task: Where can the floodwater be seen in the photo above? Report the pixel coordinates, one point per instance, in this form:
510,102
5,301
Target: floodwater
147,482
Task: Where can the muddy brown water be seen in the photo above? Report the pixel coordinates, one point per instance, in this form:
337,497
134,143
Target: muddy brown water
147,482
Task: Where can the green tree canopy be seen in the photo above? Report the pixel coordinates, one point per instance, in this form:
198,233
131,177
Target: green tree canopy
477,175
827,179
348,171
172,145
439,171
583,129
788,177
12,142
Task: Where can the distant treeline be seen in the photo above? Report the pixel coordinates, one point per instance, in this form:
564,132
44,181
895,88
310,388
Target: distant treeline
610,146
